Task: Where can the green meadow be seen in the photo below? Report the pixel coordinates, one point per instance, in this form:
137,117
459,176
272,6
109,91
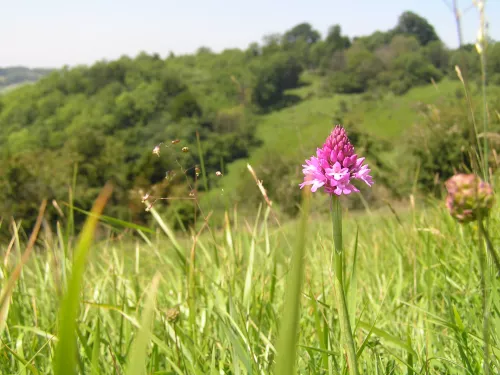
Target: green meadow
151,220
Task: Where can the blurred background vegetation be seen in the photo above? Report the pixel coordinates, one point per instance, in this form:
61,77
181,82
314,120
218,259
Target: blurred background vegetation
396,91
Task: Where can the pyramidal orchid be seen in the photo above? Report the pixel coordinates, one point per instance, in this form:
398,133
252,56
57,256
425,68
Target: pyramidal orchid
334,169
335,166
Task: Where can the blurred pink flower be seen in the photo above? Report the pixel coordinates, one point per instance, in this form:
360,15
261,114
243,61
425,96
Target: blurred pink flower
335,165
469,198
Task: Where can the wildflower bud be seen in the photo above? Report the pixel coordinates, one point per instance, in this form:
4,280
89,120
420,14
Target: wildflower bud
197,171
148,208
468,198
191,193
156,150
145,197
174,142
218,173
185,149
173,315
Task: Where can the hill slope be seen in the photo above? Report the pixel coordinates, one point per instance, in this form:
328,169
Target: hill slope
14,76
292,134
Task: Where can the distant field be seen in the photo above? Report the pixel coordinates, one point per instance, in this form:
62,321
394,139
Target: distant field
16,76
307,123
4,89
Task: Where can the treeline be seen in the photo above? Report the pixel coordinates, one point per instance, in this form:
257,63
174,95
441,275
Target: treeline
105,119
407,55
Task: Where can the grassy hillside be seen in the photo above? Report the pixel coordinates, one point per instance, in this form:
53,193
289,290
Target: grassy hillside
295,132
303,126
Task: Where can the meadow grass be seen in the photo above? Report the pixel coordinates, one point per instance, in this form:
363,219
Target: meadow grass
388,117
212,302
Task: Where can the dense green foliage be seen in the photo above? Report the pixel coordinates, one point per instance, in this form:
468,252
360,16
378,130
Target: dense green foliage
106,119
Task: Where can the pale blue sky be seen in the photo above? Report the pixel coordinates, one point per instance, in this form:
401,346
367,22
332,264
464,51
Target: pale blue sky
52,33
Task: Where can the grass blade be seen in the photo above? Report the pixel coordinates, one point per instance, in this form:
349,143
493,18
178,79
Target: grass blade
251,261
171,236
95,349
136,363
391,339
24,363
118,222
11,283
287,340
65,356
353,284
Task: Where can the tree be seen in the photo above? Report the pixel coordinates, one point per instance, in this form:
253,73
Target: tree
467,59
410,23
375,40
437,53
326,53
363,63
335,40
416,68
253,50
184,105
302,31
361,68
299,41
493,58
204,50
274,76
401,44
272,43
398,46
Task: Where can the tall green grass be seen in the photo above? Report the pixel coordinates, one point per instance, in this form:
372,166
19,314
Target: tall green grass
417,309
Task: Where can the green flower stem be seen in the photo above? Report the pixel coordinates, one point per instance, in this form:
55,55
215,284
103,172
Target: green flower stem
484,290
489,246
345,325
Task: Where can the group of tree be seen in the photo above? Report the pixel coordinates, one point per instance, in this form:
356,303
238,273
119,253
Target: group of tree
395,60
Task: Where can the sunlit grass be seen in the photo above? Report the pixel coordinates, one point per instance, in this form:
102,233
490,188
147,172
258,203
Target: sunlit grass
417,309
303,126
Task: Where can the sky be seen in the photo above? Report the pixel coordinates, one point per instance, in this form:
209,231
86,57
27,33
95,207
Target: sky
54,33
